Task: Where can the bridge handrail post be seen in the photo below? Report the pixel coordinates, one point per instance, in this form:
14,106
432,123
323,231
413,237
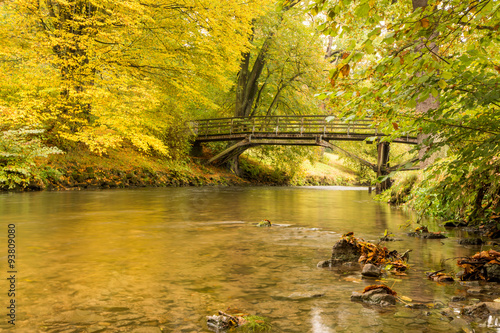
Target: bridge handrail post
277,125
206,129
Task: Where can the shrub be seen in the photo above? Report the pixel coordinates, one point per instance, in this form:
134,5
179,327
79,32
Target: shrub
18,150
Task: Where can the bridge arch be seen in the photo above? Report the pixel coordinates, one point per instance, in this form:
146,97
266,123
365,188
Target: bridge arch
313,130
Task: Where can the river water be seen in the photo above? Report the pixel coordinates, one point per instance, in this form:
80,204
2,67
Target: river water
161,260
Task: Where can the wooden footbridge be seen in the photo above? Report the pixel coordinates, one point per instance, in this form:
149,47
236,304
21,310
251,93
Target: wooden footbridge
295,130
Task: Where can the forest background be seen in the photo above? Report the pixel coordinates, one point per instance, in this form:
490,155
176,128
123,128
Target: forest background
97,94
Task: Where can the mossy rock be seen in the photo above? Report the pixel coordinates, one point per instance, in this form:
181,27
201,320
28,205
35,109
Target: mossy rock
264,223
255,324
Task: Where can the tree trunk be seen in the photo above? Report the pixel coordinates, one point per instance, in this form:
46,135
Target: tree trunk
383,149
248,82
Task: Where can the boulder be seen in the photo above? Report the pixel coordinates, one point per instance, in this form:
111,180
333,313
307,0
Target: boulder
471,241
264,223
379,296
330,263
345,251
492,272
423,232
427,235
482,310
342,252
370,270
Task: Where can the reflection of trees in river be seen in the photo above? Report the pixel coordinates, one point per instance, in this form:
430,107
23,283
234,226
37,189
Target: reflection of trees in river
174,253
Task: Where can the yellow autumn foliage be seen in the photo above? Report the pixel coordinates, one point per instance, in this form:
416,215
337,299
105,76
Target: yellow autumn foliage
101,72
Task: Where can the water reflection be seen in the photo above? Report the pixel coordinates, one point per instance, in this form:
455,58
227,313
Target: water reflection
118,260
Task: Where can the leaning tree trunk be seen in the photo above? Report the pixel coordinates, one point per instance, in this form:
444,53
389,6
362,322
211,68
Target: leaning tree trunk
248,84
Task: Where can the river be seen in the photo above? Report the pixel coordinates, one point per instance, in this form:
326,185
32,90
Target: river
162,259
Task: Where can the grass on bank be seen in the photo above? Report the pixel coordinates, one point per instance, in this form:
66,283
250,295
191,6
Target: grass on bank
126,167
329,170
79,169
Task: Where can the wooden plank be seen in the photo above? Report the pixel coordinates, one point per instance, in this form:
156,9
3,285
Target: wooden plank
281,126
228,150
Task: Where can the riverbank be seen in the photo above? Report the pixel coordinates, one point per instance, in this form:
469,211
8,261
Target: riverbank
421,192
79,170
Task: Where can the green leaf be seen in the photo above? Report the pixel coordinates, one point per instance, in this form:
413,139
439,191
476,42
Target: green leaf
369,47
446,75
374,33
357,56
389,40
362,11
321,96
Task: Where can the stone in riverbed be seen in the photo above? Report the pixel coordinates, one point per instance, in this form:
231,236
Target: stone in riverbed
427,235
345,251
492,272
482,310
264,223
370,270
471,241
378,296
330,263
342,253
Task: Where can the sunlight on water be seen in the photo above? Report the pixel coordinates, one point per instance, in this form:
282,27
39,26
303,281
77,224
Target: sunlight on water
116,261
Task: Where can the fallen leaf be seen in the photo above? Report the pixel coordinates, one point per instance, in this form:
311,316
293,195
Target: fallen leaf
405,298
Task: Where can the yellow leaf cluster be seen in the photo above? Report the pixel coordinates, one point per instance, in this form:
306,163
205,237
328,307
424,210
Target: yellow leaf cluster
97,72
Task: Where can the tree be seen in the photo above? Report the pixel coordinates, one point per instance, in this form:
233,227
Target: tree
390,79
286,58
100,72
281,72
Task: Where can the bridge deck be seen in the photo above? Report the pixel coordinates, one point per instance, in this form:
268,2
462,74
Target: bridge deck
288,128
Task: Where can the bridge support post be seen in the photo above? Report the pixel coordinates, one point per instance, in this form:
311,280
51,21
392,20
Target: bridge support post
382,166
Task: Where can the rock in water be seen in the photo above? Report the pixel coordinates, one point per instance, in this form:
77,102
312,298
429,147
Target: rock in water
345,251
378,296
471,241
370,270
264,223
492,272
482,310
342,252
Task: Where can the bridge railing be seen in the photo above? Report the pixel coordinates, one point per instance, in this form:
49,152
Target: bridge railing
302,125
